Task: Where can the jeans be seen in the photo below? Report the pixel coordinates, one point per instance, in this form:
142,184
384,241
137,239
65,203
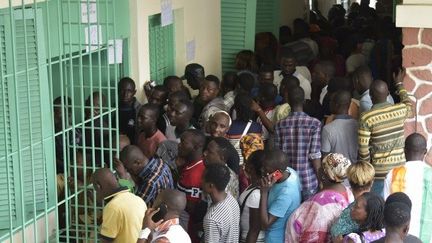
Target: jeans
378,187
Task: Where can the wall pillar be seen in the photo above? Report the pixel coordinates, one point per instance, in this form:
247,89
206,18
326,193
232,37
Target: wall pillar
416,22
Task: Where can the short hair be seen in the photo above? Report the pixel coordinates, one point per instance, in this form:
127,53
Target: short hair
276,158
168,79
266,69
181,95
399,197
361,175
242,106
229,80
287,53
396,214
256,160
268,91
246,81
228,152
375,212
152,107
199,136
415,142
160,88
327,67
126,80
339,84
291,81
218,175
342,98
296,96
214,79
189,106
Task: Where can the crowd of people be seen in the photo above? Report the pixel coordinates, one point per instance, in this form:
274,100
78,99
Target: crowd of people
304,142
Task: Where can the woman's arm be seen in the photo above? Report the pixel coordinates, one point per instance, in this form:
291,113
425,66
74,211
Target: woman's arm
254,225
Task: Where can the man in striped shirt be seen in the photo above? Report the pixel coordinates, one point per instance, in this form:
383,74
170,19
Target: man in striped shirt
222,220
151,175
381,131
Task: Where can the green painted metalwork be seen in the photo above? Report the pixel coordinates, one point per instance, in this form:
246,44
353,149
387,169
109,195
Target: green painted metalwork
44,54
161,49
237,29
267,16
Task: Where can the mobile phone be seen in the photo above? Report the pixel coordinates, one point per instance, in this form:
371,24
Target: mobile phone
277,175
163,210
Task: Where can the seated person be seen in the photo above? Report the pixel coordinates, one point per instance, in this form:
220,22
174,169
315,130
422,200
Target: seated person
168,229
128,107
218,124
180,116
218,151
148,136
280,196
151,175
222,220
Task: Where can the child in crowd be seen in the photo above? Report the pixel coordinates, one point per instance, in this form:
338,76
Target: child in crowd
148,135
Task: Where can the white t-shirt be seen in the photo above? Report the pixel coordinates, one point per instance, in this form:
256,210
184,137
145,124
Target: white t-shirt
305,84
252,202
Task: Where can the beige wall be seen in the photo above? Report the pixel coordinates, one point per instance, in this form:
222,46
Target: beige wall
290,10
194,19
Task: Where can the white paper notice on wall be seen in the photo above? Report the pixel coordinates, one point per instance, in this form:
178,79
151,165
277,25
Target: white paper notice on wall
93,37
88,12
190,50
166,12
115,51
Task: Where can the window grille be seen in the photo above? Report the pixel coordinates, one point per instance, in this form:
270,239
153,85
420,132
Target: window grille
53,56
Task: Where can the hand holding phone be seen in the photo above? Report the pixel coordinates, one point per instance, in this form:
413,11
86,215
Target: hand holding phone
277,175
163,210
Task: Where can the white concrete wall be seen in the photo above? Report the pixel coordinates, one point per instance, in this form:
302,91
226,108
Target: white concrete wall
197,20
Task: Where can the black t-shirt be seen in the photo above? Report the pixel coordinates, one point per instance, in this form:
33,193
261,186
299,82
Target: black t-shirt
127,120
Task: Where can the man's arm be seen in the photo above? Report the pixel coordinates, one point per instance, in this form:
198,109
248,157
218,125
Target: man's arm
363,140
402,92
315,148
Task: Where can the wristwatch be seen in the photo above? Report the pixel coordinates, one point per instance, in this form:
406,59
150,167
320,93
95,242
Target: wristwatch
144,234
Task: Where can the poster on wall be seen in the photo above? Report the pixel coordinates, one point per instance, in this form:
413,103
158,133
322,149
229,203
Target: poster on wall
115,51
166,12
190,50
88,12
93,37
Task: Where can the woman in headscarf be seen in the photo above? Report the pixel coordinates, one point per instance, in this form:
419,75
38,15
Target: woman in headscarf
312,220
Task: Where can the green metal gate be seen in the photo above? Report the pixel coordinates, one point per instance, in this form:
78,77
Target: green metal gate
60,61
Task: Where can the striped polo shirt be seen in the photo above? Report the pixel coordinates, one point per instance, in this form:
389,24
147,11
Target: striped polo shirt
381,134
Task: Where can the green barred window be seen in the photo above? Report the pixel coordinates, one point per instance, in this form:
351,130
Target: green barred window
267,16
238,29
60,61
161,49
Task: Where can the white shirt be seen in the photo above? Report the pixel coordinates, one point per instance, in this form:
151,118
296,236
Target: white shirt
252,202
305,84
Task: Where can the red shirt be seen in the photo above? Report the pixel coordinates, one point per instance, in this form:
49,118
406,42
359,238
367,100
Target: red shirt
190,180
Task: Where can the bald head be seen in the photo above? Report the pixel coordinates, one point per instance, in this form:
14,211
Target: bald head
174,199
133,159
378,91
415,147
104,182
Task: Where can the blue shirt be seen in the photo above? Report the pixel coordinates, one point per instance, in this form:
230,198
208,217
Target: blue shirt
283,199
155,177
